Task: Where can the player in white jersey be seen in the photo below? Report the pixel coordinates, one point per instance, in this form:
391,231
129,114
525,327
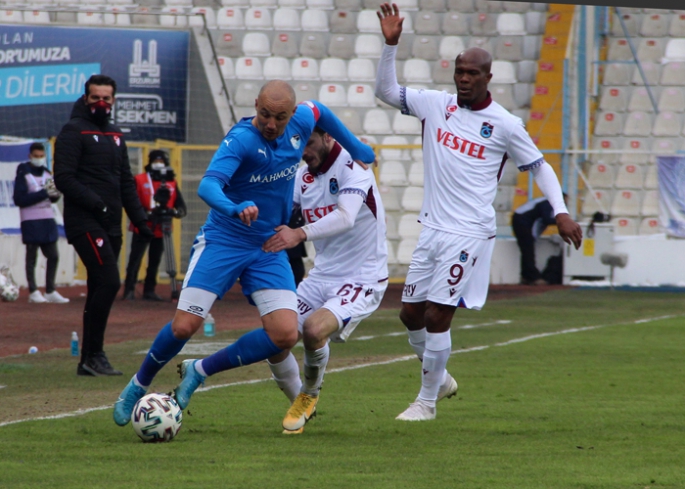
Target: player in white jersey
467,138
345,220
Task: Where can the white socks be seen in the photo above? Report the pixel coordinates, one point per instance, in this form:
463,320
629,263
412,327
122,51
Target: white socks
435,356
314,368
287,376
417,340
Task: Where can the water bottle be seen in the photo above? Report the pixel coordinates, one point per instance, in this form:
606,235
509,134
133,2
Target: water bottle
74,344
209,325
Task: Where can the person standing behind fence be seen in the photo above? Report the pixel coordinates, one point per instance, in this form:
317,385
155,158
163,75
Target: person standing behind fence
159,193
92,171
34,194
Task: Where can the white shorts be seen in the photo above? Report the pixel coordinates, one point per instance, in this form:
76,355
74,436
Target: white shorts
449,269
350,303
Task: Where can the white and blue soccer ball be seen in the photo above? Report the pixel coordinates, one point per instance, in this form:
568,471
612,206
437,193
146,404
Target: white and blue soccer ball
9,292
156,418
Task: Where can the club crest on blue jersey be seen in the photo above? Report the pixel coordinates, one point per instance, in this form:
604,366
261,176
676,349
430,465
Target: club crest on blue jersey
486,130
333,186
296,141
463,256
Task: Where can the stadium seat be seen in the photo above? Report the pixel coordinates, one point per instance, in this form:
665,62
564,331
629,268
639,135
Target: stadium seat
509,48
341,46
256,44
350,5
277,68
395,154
89,17
503,95
320,4
412,199
629,176
409,226
235,3
667,124
664,146
376,121
248,68
285,44
305,69
404,5
417,154
343,21
673,73
631,23
625,203
361,95
405,250
614,98
417,71
196,20
332,95
535,22
350,118
511,24
415,175
392,173
425,48
427,23
305,91
450,47
516,7
624,226
313,45
466,6
640,100
246,93
367,21
361,70
286,19
443,72
503,72
526,71
455,23
650,203
368,46
652,72
36,17
314,20
601,175
618,74
437,6
264,4
230,18
619,50
229,44
227,68
293,4
493,6
591,205
503,198
650,49
389,198
654,25
633,151
672,99
391,229
333,69
638,124
649,225
405,124
675,50
677,26
483,24
258,18
172,17
403,48
651,178
523,93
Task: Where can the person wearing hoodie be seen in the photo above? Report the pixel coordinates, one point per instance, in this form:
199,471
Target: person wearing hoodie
161,196
34,194
93,173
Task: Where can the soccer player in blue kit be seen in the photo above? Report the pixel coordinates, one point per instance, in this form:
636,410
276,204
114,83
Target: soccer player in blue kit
249,187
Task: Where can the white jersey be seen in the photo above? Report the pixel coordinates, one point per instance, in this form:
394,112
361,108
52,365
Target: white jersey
464,151
361,253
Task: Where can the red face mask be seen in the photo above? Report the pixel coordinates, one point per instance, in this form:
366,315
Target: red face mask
100,109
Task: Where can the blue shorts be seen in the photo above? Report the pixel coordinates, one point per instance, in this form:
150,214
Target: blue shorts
216,264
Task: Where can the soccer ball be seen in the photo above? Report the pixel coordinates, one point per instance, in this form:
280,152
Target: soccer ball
156,418
9,292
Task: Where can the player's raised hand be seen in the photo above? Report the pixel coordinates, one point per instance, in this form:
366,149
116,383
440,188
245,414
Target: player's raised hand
249,214
569,230
284,239
391,23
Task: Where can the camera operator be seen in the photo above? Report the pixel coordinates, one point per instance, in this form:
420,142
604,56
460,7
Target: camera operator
161,197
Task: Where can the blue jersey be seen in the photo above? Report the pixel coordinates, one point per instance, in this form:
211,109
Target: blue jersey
253,168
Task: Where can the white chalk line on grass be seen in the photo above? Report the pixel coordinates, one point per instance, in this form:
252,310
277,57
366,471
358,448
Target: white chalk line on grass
404,358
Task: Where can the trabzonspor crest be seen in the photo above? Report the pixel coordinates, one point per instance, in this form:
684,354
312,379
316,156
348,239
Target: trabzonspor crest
333,186
486,130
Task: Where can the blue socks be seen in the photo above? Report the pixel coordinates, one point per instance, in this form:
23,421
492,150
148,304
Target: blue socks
165,347
250,348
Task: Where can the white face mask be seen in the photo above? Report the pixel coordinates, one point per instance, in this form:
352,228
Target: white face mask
38,161
158,165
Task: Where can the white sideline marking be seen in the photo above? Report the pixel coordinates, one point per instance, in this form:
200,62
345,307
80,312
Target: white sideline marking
404,358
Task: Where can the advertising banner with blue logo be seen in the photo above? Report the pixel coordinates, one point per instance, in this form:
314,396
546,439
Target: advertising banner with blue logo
43,71
671,171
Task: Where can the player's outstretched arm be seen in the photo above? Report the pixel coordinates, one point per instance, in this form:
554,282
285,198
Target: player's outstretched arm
211,191
330,123
387,88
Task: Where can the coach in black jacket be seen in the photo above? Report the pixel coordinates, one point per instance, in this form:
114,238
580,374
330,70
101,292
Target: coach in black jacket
92,171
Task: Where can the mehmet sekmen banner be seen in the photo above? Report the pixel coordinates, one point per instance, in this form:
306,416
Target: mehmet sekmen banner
43,71
671,170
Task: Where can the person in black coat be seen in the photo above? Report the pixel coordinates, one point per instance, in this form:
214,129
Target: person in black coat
92,171
34,194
